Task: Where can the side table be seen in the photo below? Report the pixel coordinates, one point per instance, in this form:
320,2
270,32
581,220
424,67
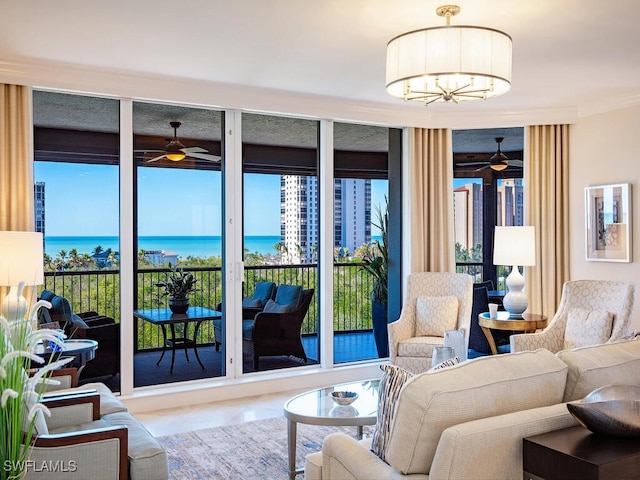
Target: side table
576,453
530,322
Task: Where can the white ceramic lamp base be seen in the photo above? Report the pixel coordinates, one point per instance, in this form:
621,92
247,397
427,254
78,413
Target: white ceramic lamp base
14,305
515,301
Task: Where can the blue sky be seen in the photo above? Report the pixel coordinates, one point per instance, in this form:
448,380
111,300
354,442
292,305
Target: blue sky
82,200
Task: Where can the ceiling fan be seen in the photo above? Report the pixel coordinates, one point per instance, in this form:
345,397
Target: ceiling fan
498,161
176,151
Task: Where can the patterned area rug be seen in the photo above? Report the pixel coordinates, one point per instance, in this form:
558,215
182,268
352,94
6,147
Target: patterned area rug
252,450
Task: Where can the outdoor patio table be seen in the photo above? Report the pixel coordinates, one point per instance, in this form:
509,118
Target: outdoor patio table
164,317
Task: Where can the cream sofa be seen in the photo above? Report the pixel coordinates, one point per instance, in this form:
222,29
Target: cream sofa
468,421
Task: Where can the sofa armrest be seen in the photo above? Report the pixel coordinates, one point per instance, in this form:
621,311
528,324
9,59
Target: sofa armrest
492,447
95,453
344,458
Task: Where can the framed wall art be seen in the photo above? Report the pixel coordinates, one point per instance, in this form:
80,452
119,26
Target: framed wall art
608,222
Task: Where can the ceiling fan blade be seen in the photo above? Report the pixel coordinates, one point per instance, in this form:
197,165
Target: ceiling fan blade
146,150
155,159
189,150
483,168
205,156
516,163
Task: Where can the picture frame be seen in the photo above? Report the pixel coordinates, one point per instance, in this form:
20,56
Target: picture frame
608,223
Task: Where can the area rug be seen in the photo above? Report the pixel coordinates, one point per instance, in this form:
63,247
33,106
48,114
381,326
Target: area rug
251,450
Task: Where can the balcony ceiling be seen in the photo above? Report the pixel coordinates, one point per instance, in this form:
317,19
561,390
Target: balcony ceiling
580,54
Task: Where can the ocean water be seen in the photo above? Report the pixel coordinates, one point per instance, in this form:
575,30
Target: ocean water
183,246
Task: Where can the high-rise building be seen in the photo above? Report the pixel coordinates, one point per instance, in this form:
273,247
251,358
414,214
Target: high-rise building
38,193
299,216
467,214
510,203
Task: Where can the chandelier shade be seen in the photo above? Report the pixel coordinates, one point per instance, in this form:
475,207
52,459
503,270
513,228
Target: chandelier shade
449,63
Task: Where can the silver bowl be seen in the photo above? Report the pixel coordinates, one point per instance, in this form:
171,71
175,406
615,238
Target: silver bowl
611,410
344,397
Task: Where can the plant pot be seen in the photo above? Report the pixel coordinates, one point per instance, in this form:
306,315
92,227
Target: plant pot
379,317
179,305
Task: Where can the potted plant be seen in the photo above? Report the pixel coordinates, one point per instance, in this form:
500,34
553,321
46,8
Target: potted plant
177,285
376,263
17,390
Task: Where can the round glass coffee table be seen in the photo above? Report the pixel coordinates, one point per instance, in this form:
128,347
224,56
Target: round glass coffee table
316,407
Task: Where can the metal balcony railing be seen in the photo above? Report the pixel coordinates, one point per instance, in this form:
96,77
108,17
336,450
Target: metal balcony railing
99,291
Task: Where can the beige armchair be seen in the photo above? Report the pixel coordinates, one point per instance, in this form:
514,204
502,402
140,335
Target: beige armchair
427,313
590,312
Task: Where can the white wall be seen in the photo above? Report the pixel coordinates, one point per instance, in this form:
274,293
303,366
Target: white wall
604,150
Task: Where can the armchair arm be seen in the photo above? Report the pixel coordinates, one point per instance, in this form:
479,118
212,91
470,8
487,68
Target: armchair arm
72,408
103,334
269,324
399,331
93,454
551,338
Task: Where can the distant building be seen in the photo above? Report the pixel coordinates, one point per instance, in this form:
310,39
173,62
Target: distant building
103,259
161,257
510,203
467,214
38,194
299,216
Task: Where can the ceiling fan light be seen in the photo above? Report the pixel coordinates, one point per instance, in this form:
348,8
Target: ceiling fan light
173,151
498,167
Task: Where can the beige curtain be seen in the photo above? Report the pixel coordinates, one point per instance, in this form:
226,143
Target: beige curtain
546,188
16,161
432,239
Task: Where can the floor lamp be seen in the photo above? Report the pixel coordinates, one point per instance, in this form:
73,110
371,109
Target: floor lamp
21,263
515,246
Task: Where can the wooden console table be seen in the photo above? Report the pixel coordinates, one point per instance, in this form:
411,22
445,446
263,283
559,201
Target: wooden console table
576,453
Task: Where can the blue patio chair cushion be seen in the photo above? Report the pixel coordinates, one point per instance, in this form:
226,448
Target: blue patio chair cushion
262,292
61,310
288,295
47,295
252,302
273,307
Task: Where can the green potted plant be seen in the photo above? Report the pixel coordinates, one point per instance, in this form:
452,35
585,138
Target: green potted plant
376,262
177,285
20,394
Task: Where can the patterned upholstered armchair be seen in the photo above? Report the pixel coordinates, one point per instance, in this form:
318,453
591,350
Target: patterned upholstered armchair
435,302
590,312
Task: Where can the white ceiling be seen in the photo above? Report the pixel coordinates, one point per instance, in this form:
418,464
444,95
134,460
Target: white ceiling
582,54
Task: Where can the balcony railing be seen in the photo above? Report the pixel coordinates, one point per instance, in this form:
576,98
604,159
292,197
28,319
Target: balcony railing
99,291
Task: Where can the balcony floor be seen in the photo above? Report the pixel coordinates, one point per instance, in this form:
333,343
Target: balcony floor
348,347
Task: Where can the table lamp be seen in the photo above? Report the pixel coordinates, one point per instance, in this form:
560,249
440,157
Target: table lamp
21,263
515,246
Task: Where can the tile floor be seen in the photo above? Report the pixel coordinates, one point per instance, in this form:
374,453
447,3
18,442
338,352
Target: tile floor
228,412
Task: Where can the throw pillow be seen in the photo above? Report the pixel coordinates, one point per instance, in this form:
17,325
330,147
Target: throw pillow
393,378
447,363
248,302
587,327
273,307
435,315
288,295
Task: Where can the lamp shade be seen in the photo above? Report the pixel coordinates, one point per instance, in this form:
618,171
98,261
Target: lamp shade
21,258
449,63
514,246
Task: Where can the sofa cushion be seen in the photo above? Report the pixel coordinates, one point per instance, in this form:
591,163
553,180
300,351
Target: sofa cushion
587,327
599,365
483,387
392,381
435,315
147,458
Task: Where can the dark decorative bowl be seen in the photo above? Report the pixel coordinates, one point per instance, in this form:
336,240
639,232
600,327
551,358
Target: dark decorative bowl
611,410
343,397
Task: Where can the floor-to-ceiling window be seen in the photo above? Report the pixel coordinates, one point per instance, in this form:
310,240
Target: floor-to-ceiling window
488,191
281,204
178,222
76,170
361,189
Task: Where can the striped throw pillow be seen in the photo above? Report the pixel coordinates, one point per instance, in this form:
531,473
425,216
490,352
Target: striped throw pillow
393,378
